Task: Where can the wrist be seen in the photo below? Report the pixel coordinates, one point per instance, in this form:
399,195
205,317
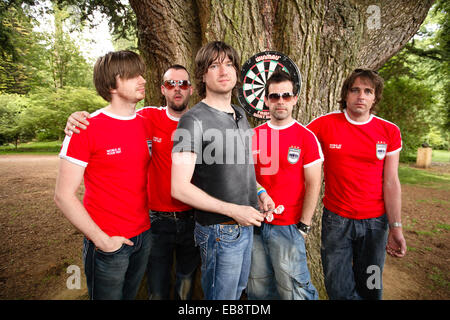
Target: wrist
260,191
303,227
230,210
395,224
101,241
307,222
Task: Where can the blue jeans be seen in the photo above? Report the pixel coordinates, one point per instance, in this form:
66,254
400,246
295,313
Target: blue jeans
116,275
353,253
225,251
172,235
279,269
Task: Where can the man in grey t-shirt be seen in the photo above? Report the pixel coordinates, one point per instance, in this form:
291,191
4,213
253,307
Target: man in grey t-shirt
212,170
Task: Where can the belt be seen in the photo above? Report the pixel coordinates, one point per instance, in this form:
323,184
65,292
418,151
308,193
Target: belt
229,222
174,215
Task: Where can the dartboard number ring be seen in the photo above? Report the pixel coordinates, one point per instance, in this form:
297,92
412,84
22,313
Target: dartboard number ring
254,74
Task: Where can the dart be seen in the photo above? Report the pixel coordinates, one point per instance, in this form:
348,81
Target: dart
277,210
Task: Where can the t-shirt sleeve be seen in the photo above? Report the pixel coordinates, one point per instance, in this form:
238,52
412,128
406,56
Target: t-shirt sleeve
188,136
313,153
314,126
144,112
76,149
395,143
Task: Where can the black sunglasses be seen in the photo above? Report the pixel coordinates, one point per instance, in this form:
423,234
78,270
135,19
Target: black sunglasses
275,97
183,84
365,70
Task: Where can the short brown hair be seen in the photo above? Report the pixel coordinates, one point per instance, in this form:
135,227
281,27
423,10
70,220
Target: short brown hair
367,74
177,67
207,55
278,77
125,64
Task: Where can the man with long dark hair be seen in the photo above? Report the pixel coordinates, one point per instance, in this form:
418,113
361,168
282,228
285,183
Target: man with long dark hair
362,191
212,170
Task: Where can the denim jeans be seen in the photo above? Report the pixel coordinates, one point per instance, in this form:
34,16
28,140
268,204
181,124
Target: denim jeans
353,253
116,275
279,269
225,251
172,235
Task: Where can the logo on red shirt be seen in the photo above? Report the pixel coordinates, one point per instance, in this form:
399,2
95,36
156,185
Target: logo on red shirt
294,154
335,146
113,151
381,150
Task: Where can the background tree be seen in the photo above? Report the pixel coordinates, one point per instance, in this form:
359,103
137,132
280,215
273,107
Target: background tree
46,71
408,103
13,128
22,59
67,65
443,40
7,46
416,87
49,109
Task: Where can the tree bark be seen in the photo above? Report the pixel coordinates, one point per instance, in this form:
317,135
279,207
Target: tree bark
325,38
168,33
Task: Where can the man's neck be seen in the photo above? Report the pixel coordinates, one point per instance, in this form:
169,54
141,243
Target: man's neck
221,102
281,123
121,108
176,114
358,117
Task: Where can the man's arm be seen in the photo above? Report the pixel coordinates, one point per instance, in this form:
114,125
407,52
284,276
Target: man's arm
183,165
69,179
313,179
396,245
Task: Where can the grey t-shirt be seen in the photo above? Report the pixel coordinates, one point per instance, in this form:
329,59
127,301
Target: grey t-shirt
224,167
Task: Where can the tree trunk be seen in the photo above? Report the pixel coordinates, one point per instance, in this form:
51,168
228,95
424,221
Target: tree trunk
325,38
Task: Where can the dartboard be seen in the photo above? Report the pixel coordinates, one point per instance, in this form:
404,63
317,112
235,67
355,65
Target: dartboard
254,74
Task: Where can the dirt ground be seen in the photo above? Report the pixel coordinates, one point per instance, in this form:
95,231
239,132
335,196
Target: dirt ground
39,244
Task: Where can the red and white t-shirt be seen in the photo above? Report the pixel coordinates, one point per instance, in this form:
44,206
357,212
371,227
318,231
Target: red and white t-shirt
159,174
280,155
354,161
114,150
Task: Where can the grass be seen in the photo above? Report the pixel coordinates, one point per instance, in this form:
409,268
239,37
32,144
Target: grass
409,175
434,201
424,233
439,278
443,226
34,147
440,156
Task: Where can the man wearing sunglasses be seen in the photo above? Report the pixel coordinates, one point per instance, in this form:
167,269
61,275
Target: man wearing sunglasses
362,190
279,269
172,222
